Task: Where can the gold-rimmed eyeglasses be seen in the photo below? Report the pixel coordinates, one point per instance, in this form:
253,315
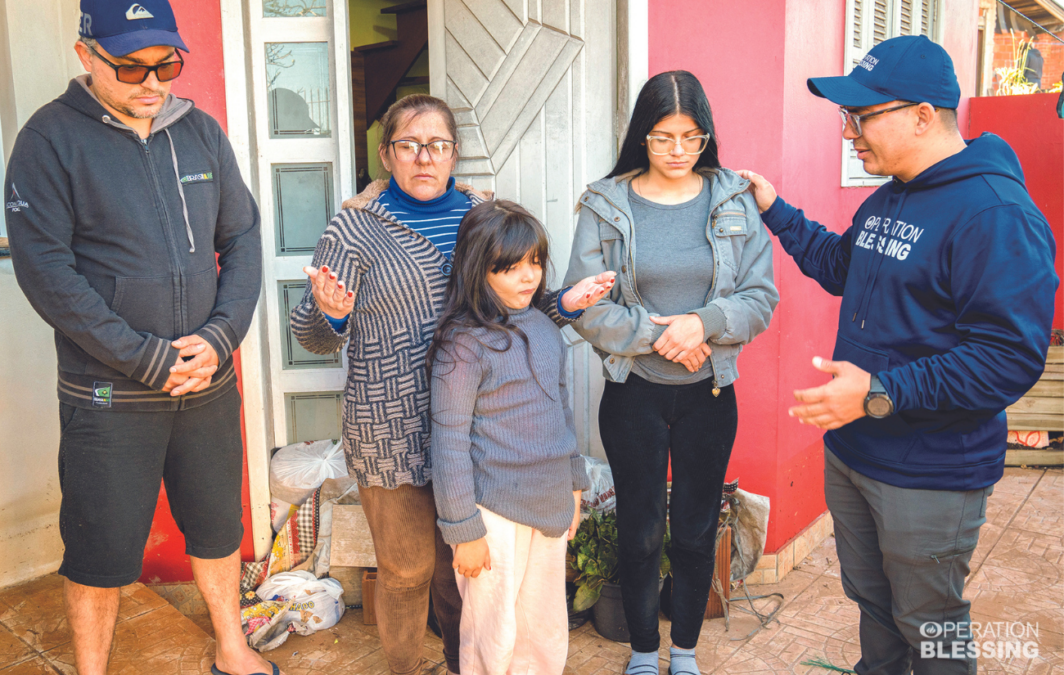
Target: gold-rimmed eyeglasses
662,145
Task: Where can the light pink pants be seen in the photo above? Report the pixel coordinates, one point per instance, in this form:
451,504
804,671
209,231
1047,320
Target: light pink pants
514,618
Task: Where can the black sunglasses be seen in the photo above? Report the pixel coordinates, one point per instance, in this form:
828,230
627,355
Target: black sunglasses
164,72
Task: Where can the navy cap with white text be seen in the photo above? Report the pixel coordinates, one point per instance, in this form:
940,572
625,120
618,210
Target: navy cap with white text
123,27
907,68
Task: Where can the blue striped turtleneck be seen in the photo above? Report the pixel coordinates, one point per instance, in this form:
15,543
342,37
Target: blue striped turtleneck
437,219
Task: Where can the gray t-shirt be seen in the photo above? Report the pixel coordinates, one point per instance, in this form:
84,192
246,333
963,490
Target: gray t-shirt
673,271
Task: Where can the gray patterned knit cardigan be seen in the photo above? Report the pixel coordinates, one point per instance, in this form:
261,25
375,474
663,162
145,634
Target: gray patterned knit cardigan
399,278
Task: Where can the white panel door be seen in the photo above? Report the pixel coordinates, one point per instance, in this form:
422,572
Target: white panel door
304,155
533,85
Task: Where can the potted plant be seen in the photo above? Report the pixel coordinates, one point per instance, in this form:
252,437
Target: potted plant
592,558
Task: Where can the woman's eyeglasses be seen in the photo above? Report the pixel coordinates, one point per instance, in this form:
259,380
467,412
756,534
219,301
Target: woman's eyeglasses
164,72
692,145
408,151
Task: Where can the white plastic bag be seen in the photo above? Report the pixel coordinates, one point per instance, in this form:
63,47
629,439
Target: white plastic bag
316,603
600,497
298,470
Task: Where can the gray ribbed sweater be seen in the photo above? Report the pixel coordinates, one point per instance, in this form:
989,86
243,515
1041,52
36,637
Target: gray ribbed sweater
502,434
399,278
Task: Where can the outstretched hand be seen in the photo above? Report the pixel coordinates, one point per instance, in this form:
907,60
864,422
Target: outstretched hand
333,298
836,403
586,292
764,193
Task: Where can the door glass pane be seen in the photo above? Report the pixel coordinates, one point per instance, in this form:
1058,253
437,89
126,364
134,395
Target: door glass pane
298,89
294,357
302,195
313,416
295,8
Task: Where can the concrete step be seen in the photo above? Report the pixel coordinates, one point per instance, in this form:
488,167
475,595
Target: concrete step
151,636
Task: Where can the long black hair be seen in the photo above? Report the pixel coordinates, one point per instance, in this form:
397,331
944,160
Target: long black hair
676,92
492,237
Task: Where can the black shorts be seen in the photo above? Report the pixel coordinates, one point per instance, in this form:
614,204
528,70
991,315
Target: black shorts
110,466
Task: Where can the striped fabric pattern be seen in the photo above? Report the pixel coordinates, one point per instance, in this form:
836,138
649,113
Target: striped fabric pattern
437,220
399,278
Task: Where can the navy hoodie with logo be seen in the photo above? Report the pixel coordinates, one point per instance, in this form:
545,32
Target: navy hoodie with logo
948,286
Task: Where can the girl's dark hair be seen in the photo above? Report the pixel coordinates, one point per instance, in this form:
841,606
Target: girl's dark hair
676,92
410,107
493,237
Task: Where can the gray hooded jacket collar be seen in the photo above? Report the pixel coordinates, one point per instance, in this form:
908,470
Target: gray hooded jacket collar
173,110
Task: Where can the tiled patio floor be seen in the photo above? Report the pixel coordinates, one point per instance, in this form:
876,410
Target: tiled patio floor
1017,575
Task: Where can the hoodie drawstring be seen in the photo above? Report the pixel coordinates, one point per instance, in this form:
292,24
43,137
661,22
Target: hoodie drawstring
181,191
866,297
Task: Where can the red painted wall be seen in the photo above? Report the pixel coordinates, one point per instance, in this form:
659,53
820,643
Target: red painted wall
1031,126
753,59
203,81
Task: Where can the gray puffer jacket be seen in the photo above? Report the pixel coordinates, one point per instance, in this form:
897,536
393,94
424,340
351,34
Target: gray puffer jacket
619,327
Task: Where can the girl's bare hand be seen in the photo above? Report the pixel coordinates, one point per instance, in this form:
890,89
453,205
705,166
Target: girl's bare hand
696,357
472,557
332,297
684,334
576,516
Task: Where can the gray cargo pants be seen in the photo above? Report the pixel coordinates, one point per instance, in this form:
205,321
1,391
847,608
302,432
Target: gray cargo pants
904,557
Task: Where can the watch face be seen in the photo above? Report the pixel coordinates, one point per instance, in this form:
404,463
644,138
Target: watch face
879,406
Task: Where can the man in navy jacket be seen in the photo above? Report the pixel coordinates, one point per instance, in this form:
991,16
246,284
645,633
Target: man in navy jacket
947,284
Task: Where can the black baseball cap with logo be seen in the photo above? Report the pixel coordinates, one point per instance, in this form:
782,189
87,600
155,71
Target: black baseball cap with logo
123,27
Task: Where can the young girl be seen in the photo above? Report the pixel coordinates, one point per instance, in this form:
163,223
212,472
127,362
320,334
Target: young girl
505,464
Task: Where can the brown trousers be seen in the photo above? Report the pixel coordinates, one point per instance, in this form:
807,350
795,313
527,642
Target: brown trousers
412,562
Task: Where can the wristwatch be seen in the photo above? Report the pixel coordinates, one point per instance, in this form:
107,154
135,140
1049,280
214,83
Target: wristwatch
877,403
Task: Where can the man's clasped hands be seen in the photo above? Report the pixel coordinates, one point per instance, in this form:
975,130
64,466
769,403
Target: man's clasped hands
194,374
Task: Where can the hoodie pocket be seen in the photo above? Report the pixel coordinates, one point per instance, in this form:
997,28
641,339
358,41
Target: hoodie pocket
202,293
147,304
886,441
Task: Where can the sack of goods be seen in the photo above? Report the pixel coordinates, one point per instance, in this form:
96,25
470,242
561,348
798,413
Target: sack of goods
293,602
297,470
601,496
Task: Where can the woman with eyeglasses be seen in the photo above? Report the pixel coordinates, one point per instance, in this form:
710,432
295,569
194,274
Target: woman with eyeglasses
377,283
695,285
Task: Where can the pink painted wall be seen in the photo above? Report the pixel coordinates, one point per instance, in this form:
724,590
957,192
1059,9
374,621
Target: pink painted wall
753,59
1039,143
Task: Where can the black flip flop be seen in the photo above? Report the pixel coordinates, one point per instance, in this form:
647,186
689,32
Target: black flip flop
276,670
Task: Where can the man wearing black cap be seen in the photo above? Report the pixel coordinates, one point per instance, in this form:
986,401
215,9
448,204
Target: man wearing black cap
126,196
947,284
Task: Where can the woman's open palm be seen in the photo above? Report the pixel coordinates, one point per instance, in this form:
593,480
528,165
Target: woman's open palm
333,298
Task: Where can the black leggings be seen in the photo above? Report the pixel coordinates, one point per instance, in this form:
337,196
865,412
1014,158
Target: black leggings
640,421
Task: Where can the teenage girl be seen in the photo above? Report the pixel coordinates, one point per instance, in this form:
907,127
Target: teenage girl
506,467
694,286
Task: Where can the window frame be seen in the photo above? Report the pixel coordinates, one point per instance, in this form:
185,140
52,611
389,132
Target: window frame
858,41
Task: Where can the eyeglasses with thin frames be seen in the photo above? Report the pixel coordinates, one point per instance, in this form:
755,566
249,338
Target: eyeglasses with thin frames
692,145
129,74
408,151
848,117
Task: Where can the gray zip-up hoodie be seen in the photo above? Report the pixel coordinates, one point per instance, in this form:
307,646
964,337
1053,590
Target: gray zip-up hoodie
113,241
743,292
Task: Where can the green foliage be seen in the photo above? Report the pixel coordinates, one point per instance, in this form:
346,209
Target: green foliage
593,556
